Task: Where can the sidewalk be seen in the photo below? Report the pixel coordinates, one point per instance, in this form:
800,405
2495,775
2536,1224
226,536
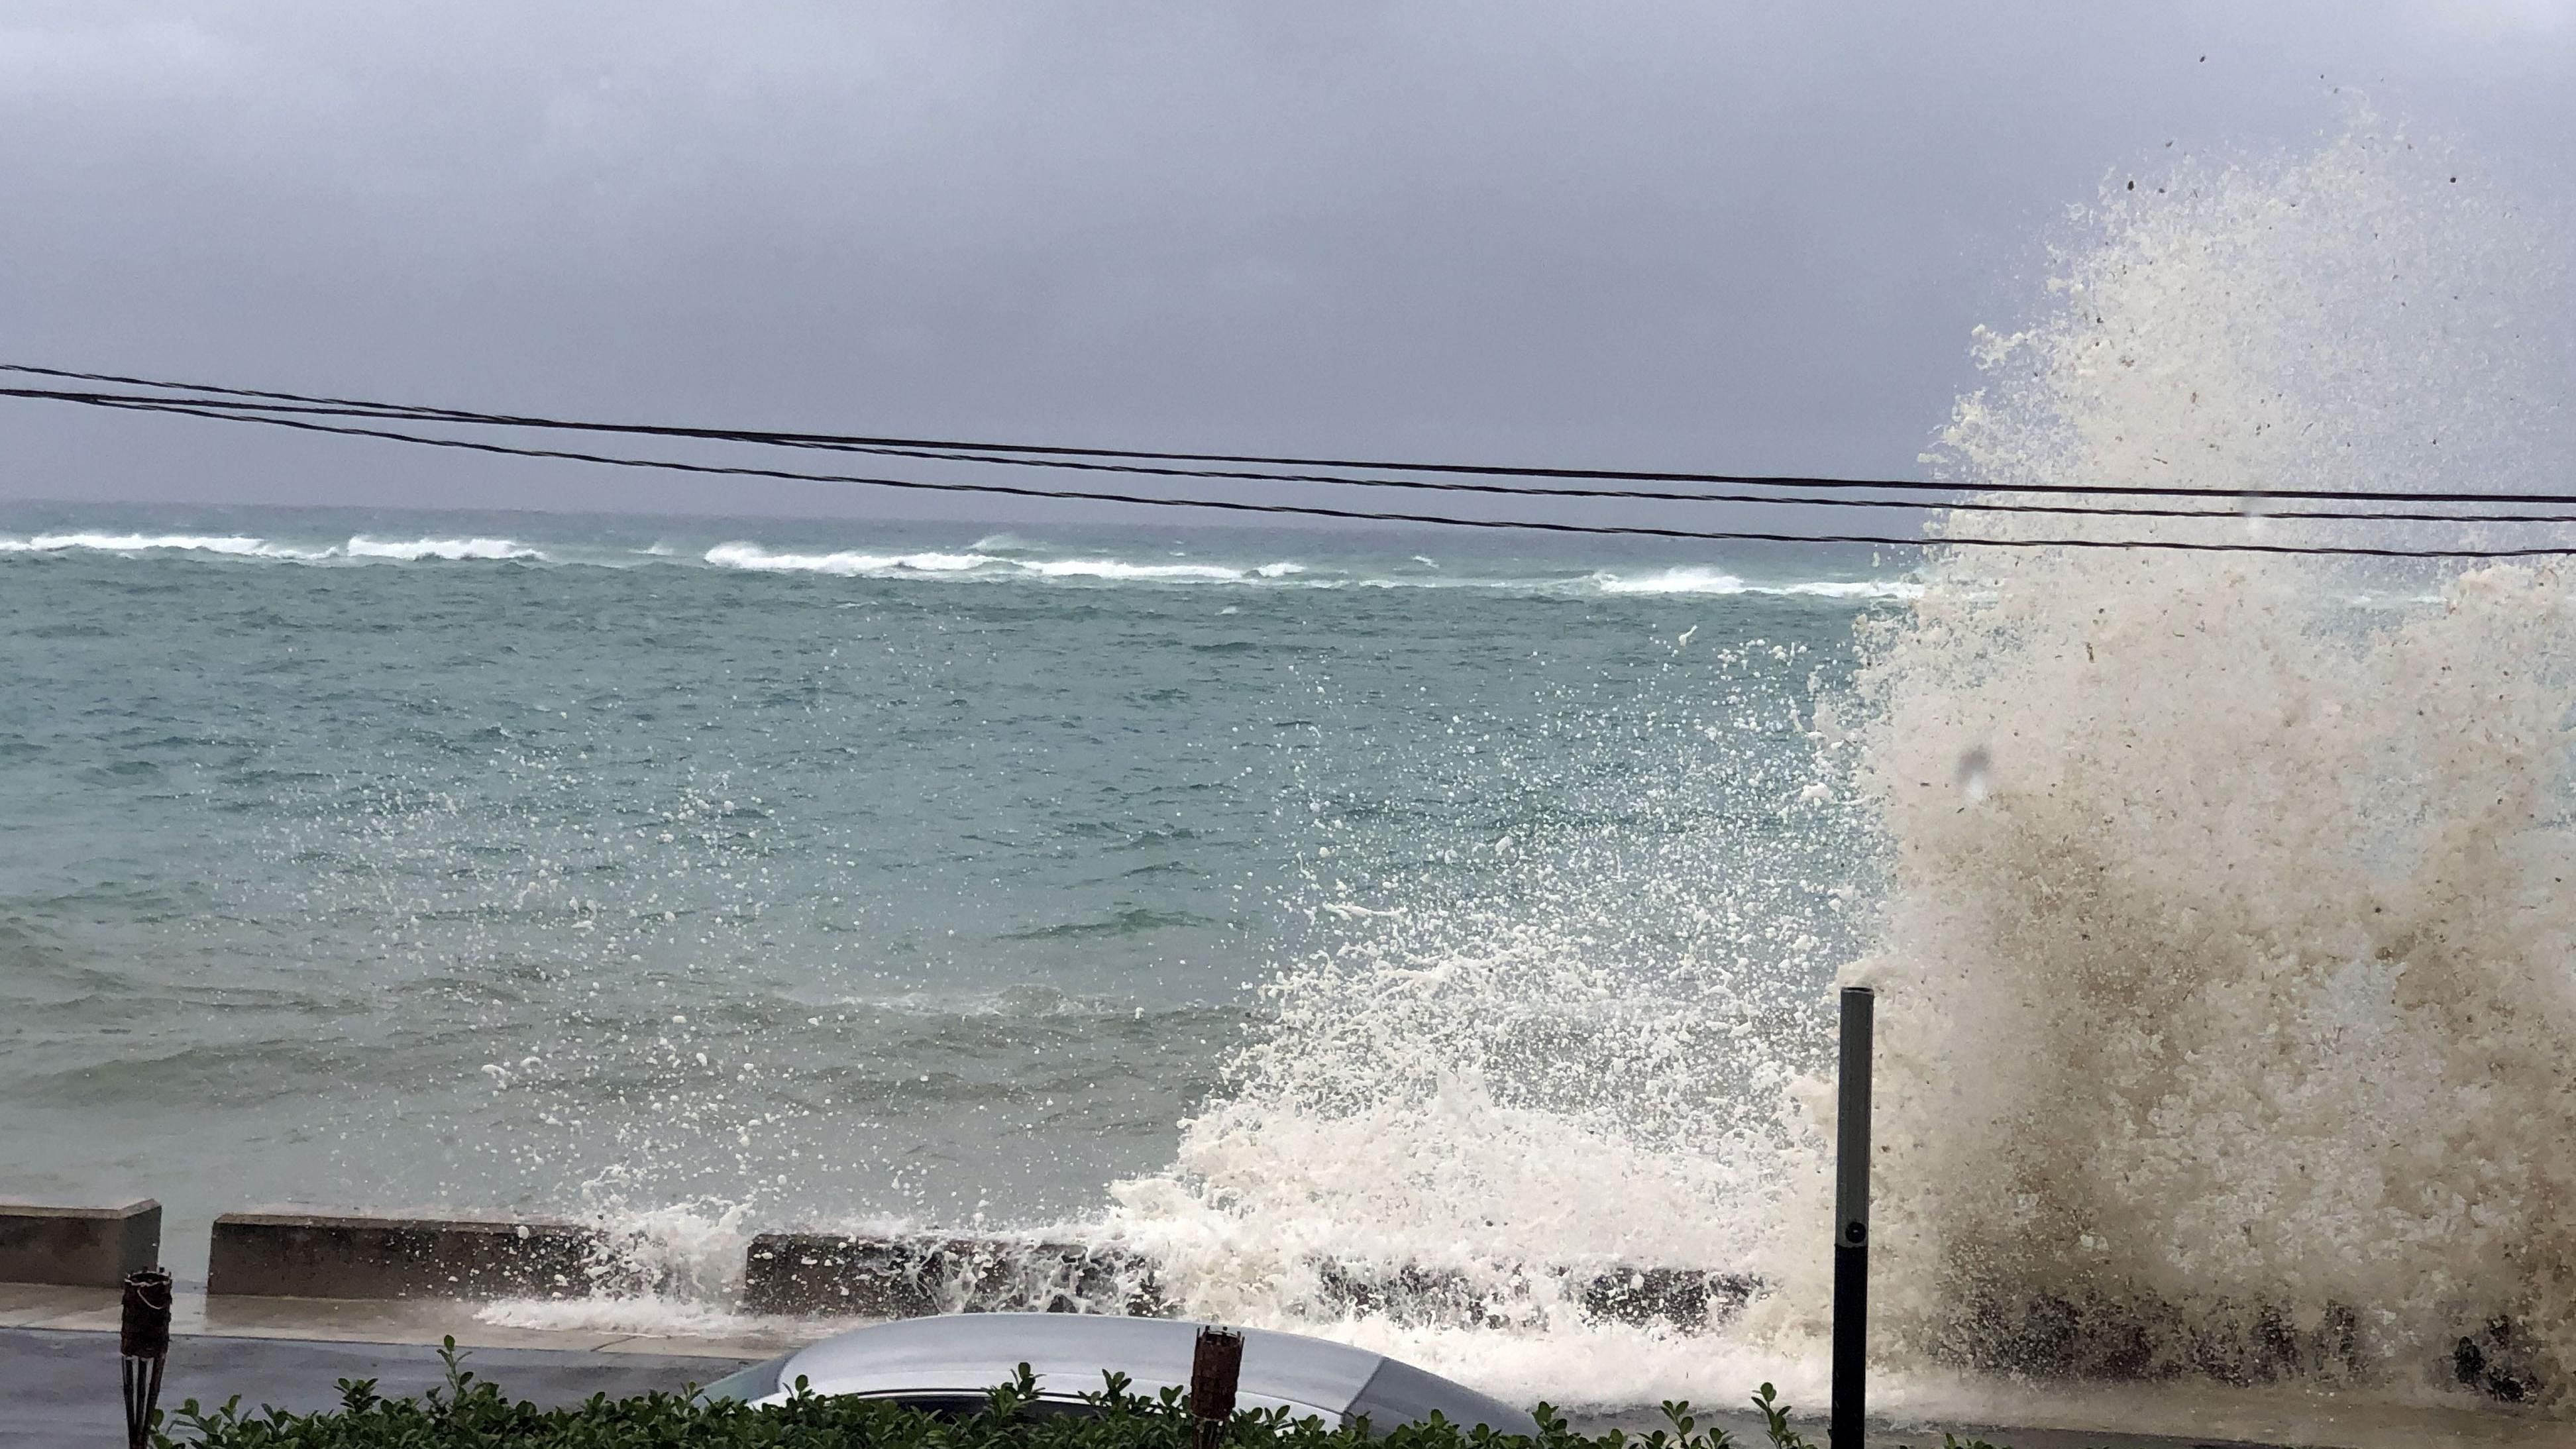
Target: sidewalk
58,1377
58,1387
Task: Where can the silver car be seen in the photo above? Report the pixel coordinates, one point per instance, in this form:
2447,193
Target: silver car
948,1363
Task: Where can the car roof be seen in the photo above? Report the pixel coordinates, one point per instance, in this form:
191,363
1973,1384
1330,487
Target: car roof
967,1353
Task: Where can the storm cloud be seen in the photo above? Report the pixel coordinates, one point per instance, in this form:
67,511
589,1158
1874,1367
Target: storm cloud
1722,236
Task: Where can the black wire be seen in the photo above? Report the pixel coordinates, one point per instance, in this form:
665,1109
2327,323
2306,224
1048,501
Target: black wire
1040,455
1967,505
1308,510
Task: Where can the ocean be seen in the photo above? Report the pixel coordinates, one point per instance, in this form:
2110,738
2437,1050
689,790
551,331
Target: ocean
812,871
1285,904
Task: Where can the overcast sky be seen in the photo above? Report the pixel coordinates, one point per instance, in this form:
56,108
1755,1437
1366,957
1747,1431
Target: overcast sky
1725,236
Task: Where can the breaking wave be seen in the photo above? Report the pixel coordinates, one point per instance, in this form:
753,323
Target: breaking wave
450,549
145,543
2226,955
359,547
998,559
1717,581
845,563
2221,928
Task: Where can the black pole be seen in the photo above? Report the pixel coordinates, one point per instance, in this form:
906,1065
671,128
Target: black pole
1216,1365
1851,1222
143,1347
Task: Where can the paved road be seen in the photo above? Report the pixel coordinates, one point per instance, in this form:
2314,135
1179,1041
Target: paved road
58,1388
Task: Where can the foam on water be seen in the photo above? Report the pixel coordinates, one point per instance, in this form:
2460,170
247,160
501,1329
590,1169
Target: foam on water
142,543
1718,581
452,549
241,546
1120,569
987,560
845,563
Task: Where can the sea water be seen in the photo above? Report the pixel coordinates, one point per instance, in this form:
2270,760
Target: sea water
811,871
1450,900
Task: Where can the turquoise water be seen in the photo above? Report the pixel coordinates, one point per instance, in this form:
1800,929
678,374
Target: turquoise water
820,869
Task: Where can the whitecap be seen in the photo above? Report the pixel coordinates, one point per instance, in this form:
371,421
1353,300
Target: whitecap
1119,569
230,545
454,550
1672,581
1852,589
1691,580
846,563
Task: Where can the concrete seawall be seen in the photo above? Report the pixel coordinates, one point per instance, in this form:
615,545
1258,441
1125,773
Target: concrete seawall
911,1277
314,1255
360,1256
355,1285
78,1246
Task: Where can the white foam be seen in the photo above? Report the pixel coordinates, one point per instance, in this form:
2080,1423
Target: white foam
233,545
861,564
1672,581
1852,589
1120,569
2243,977
1693,580
846,563
244,546
977,562
454,550
2225,962
674,1270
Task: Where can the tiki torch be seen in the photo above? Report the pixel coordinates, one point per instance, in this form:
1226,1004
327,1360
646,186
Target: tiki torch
143,1339
1215,1367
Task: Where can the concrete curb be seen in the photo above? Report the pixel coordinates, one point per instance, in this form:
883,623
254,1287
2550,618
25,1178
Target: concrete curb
1685,1298
356,1256
89,1247
916,1276
311,1255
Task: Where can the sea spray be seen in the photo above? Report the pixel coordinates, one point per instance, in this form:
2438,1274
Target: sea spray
2225,1020
1524,1059
2224,923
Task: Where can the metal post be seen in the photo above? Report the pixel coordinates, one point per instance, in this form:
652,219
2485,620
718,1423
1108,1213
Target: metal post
1215,1367
143,1346
1851,1221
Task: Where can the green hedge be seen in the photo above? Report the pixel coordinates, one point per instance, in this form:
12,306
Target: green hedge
470,1413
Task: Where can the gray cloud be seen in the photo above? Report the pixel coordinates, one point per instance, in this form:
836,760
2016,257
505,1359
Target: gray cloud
1725,236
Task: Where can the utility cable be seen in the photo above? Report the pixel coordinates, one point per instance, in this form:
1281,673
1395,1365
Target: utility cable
1050,455
1312,510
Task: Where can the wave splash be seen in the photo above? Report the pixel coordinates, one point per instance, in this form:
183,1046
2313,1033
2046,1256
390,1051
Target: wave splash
2225,966
1720,582
2222,928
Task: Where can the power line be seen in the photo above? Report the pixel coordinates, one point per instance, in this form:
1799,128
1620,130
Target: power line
1063,456
1967,505
301,424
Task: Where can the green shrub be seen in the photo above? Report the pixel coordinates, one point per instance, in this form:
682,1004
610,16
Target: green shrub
470,1413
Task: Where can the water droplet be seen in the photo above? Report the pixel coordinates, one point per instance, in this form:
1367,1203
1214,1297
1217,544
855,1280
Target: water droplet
1976,774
